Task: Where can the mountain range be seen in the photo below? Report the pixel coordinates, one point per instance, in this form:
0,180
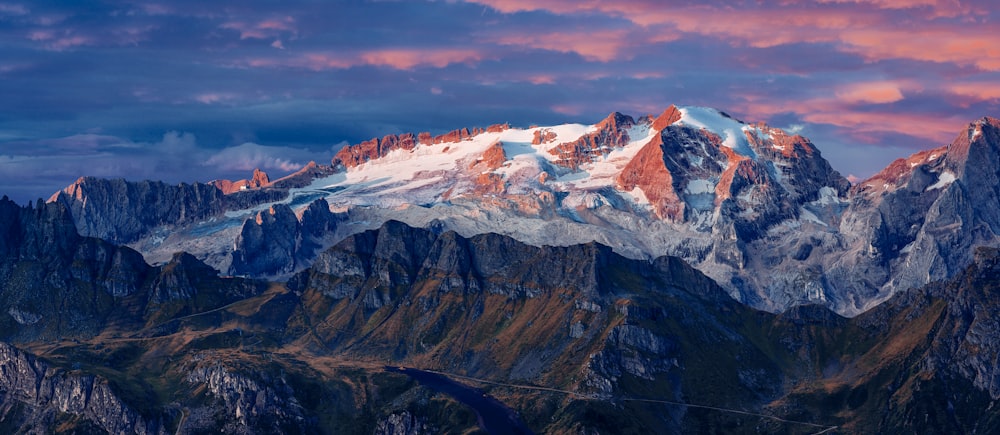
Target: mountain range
683,272
755,208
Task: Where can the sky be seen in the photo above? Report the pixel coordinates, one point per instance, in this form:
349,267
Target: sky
188,90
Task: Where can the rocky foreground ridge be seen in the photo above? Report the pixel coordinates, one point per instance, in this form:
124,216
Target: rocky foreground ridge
580,330
757,209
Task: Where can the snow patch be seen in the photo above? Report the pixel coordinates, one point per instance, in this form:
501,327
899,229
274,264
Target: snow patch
827,196
730,130
697,187
945,179
809,216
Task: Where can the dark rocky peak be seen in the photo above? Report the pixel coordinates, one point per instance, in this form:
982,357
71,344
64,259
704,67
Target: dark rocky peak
180,278
316,219
976,147
798,162
399,252
276,241
267,243
44,232
45,393
612,132
398,255
54,281
122,211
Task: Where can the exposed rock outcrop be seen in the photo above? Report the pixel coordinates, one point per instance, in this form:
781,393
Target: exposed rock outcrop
611,133
45,392
257,181
277,242
121,211
248,405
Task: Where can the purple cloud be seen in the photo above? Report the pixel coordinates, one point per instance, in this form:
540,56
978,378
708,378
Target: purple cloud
91,91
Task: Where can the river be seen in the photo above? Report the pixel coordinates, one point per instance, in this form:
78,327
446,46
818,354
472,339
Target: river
494,417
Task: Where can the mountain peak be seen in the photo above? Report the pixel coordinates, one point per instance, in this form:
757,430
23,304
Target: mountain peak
669,116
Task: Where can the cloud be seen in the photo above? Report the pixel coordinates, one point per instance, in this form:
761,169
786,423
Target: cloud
870,92
13,9
601,45
94,88
874,35
248,156
409,58
973,92
395,58
32,169
215,97
263,29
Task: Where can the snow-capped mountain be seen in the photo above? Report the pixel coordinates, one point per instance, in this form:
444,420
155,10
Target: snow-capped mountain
755,208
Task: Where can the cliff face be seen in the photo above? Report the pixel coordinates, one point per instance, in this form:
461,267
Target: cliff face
121,211
54,282
37,395
278,242
189,351
921,218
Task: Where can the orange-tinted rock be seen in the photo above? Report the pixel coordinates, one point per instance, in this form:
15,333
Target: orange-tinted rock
543,136
647,172
494,156
259,180
611,133
491,159
498,128
489,183
669,116
425,138
303,177
355,155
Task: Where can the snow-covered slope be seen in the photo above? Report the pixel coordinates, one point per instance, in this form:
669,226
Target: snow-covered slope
752,206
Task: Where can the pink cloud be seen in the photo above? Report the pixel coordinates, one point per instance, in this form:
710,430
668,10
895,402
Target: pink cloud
874,33
978,47
939,129
870,92
396,58
856,122
542,79
567,109
974,92
601,45
410,58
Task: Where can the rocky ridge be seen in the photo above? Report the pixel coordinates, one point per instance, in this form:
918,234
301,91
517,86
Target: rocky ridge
48,393
733,199
212,353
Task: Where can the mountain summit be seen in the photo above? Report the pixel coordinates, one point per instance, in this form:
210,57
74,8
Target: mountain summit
756,208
